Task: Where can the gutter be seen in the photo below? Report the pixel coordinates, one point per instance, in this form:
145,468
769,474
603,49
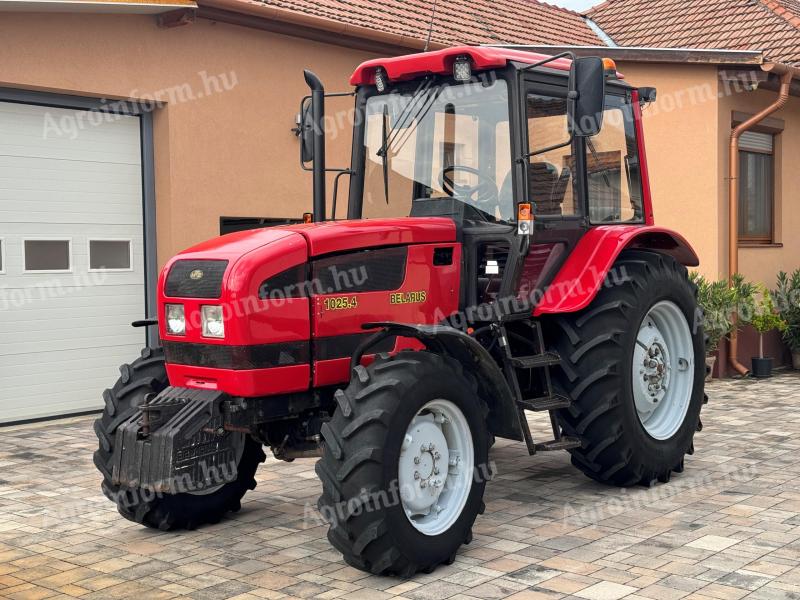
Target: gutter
272,13
786,74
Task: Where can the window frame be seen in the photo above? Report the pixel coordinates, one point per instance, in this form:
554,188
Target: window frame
769,238
2,255
540,84
89,268
625,96
70,257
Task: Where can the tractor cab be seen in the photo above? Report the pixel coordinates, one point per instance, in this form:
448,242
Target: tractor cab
524,152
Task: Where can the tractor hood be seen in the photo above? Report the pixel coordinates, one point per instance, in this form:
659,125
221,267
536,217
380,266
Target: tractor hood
258,278
341,236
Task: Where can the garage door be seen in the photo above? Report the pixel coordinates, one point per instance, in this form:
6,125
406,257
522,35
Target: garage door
71,258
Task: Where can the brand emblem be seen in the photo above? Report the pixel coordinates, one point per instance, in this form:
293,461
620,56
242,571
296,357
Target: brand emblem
196,274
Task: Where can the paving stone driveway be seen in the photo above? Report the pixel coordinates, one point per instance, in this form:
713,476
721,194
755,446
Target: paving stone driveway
728,527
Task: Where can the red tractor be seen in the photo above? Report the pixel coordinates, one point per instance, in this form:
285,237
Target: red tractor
498,256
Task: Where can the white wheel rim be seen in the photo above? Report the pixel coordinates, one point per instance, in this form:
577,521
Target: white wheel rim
435,467
663,370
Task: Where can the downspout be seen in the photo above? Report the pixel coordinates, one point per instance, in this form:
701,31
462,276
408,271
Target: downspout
786,74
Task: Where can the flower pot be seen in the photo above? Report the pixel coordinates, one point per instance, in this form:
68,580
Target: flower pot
762,367
710,362
796,360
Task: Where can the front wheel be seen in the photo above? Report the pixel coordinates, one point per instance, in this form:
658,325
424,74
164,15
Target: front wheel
148,375
633,365
405,463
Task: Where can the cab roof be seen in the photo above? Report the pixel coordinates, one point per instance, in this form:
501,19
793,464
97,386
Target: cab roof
440,62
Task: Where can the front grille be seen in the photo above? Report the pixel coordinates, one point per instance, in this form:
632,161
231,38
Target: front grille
195,279
239,358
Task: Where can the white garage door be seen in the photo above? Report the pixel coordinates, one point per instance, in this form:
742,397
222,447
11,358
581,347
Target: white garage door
71,253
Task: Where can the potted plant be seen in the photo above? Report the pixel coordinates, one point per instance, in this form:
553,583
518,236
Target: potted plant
787,296
717,300
764,318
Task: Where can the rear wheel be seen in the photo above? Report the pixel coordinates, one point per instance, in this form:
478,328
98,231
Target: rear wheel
147,375
633,365
405,463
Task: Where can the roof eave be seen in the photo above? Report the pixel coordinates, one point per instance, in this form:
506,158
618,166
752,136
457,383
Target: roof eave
654,55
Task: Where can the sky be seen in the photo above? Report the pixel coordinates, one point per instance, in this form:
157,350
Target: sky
578,5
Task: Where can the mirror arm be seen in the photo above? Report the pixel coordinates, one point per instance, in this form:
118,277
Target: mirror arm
570,55
525,157
340,172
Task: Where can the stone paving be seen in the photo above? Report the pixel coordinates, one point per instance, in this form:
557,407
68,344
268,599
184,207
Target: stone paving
727,528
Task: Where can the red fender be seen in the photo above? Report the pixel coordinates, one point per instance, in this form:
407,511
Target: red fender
580,278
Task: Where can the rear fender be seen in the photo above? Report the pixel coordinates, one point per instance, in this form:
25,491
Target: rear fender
583,273
503,419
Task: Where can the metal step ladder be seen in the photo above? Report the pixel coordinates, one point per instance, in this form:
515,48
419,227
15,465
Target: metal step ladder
549,402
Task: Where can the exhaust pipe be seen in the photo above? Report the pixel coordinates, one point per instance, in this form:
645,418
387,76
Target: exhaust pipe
318,118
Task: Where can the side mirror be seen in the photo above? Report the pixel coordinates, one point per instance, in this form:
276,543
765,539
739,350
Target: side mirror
305,126
587,89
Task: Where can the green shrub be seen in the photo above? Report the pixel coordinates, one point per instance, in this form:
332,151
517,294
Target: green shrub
787,298
718,300
764,316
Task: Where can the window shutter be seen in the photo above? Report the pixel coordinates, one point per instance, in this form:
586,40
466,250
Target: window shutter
752,141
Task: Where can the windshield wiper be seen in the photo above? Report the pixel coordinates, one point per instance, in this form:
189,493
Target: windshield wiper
596,158
384,151
403,120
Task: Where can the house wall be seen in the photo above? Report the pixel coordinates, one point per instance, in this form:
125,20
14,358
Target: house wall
681,132
223,145
762,263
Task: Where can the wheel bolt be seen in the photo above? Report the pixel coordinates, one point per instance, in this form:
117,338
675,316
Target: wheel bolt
436,470
436,456
423,484
416,460
416,475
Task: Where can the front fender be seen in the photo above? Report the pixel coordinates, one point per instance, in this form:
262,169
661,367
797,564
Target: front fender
579,279
503,419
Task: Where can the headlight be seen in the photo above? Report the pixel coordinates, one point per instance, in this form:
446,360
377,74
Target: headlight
176,321
212,322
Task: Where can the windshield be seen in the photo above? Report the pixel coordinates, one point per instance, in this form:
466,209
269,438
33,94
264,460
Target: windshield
439,141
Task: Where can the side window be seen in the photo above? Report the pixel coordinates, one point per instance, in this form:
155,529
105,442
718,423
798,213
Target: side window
614,181
110,255
47,256
551,181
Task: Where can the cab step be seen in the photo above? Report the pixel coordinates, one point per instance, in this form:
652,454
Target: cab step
565,443
545,403
536,361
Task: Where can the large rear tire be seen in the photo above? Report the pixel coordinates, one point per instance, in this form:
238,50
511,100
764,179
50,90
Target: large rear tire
633,366
404,464
146,375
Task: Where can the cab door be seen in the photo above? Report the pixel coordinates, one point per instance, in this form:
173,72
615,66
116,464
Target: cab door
553,182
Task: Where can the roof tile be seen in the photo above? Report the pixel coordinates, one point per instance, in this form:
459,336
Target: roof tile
457,21
769,25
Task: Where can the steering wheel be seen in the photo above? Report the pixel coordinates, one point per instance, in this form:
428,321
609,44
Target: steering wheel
483,194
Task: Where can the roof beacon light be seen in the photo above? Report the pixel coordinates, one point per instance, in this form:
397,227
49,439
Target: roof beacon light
610,68
462,69
381,80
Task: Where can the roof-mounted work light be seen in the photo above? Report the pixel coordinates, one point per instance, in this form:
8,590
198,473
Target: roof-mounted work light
381,80
462,69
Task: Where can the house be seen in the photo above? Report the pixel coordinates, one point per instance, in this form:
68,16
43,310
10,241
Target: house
689,130
132,130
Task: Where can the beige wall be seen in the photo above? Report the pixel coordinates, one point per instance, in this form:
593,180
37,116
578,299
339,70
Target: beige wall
227,153
688,132
681,132
763,263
